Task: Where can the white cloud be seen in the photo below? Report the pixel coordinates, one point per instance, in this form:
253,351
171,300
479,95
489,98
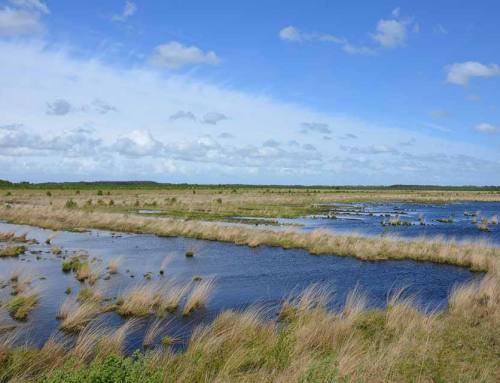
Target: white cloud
129,9
487,128
138,140
461,73
391,33
293,34
15,22
290,33
138,143
174,55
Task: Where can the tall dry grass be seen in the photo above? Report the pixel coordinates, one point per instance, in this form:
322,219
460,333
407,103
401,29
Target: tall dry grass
475,255
314,344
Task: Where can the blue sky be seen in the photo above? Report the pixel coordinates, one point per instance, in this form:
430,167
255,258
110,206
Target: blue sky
321,92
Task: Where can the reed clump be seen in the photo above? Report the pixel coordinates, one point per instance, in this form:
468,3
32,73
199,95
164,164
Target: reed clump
314,344
198,296
12,251
21,305
114,264
79,316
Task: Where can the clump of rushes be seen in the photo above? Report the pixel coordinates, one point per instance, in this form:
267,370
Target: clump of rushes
445,220
114,264
56,250
78,317
191,251
198,297
71,264
483,225
7,236
20,306
153,332
12,251
494,220
89,294
167,340
171,296
84,273
12,237
138,301
70,204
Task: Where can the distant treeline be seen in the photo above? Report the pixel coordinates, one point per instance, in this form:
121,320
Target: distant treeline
157,185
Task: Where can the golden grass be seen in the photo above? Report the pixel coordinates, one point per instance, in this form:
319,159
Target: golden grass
90,294
475,255
114,264
12,251
315,344
139,300
80,316
198,296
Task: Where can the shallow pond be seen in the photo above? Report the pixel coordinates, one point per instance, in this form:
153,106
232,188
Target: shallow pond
458,221
244,276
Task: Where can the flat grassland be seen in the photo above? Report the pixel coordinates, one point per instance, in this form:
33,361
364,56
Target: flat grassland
308,343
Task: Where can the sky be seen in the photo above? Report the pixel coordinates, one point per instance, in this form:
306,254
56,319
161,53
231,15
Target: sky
261,92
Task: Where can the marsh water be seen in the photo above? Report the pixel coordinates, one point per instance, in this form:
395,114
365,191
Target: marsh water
458,221
244,276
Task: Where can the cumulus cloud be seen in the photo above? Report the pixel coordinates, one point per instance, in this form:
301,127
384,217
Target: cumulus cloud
174,55
59,107
393,33
16,22
138,143
213,118
293,34
129,9
390,33
315,127
135,140
182,115
461,73
486,128
77,142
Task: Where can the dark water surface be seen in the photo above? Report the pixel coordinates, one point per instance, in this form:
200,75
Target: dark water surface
244,276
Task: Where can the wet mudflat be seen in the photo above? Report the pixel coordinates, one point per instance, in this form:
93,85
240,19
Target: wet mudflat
243,276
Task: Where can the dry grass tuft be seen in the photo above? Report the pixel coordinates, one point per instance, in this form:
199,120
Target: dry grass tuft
114,264
80,317
198,296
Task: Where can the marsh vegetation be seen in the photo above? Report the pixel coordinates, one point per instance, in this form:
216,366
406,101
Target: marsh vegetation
313,335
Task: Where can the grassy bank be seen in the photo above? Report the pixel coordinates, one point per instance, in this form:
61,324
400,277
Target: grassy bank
308,344
228,203
474,255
